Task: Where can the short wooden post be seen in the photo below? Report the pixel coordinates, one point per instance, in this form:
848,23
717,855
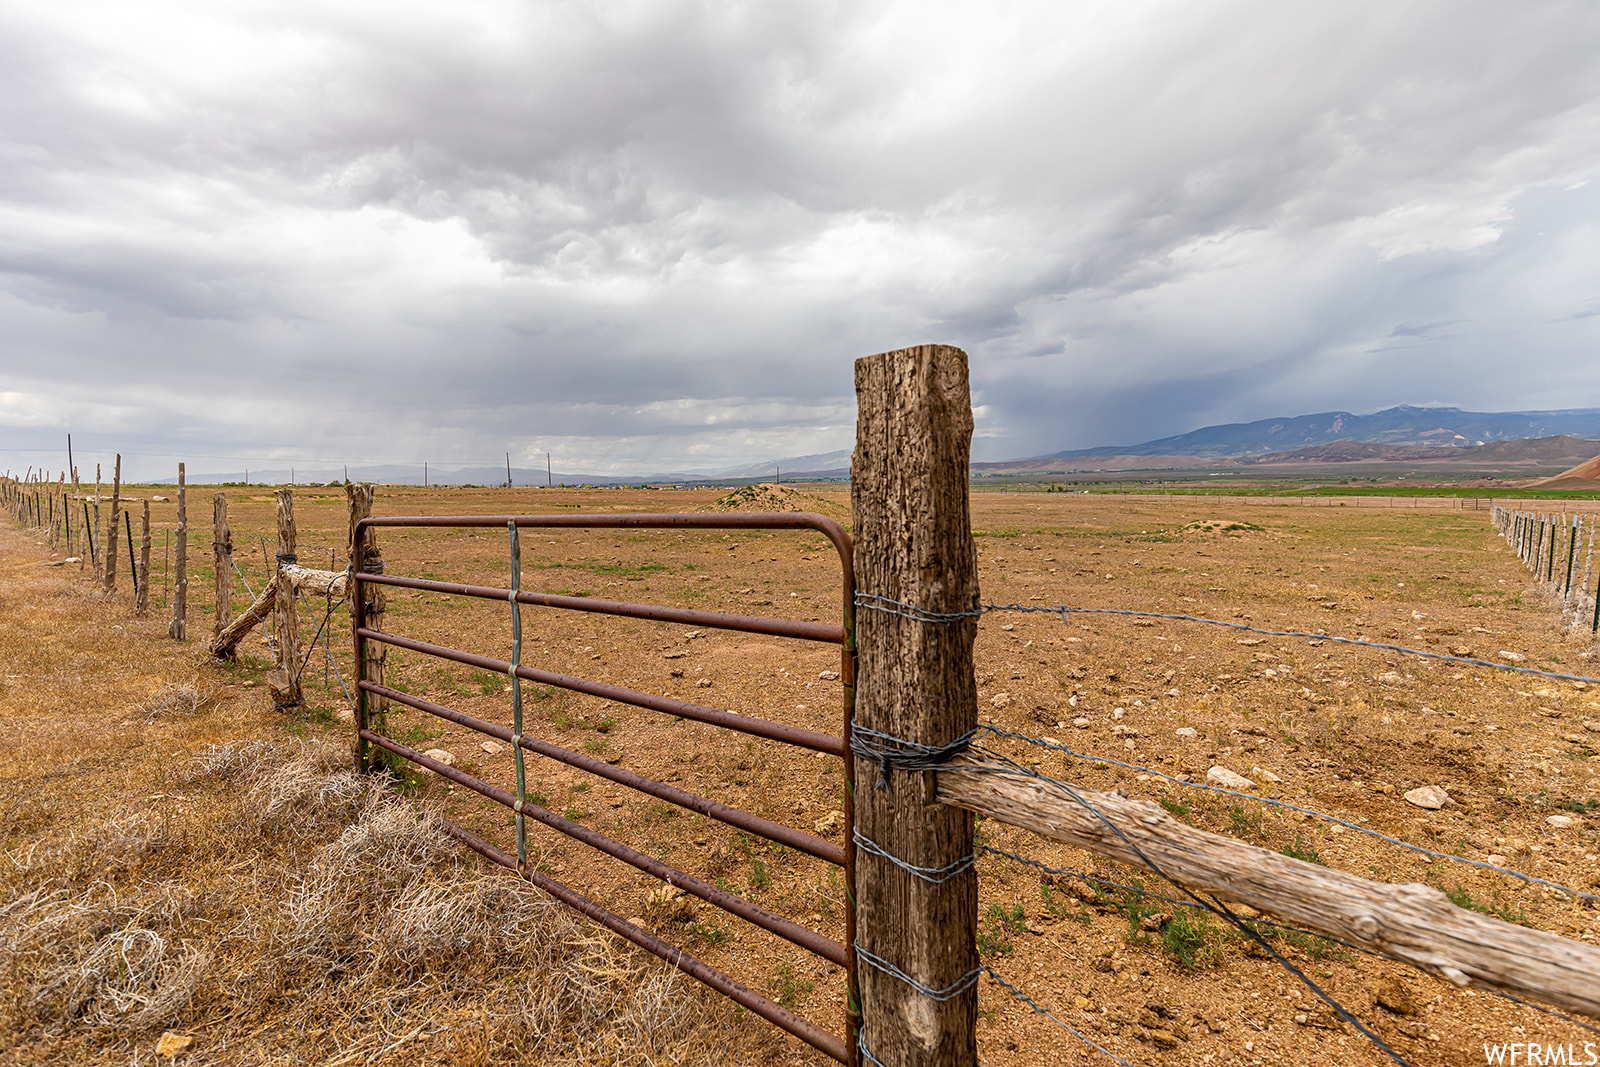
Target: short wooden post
178,629
914,546
222,563
285,681
109,583
367,605
142,601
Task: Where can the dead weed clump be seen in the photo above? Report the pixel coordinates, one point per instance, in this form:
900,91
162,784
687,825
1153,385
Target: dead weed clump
311,916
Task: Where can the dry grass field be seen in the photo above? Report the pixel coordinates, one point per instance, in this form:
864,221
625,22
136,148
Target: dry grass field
182,859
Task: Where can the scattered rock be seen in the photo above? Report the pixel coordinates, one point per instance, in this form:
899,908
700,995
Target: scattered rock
676,654
1000,700
1390,678
1560,822
1460,650
441,755
1186,731
829,676
1221,776
1494,859
1081,723
830,824
1428,796
159,499
1511,657
54,563
704,683
1394,995
491,747
1592,725
1265,775
171,1044
669,904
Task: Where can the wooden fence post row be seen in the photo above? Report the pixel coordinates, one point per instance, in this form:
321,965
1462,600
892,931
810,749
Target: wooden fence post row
1549,546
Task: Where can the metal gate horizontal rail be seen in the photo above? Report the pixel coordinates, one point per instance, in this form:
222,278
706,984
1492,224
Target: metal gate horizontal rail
774,731
753,624
843,635
788,836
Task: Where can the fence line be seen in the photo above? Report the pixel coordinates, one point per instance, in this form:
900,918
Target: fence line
1548,546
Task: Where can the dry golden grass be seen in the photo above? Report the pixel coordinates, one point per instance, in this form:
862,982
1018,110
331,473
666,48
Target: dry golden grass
177,866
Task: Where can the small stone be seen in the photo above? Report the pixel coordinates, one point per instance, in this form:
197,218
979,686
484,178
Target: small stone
1394,995
1511,657
830,824
676,654
677,672
704,683
1390,678
1592,725
1221,776
1265,775
1186,731
669,904
1008,626
491,747
441,755
1000,700
171,1044
829,676
1081,723
1560,822
1165,1039
1336,829
1494,859
1430,797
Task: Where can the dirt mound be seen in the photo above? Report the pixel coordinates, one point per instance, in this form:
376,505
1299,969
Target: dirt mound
1220,526
1587,471
766,496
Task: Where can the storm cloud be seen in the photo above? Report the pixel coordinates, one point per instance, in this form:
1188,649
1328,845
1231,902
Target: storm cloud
648,237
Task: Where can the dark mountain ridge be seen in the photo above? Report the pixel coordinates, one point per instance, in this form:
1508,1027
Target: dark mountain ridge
1428,427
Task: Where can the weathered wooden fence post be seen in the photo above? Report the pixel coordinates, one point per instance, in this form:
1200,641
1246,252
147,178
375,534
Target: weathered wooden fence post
221,563
178,628
915,685
97,541
141,602
285,681
367,605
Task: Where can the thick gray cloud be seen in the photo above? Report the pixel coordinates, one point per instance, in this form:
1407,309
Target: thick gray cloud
647,236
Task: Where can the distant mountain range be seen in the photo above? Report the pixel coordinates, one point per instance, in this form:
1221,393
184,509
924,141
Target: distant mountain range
1404,425
1399,434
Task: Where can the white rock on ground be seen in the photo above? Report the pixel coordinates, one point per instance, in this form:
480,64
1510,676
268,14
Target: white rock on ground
1000,700
1265,775
1221,776
490,747
1428,796
442,755
1560,822
1186,731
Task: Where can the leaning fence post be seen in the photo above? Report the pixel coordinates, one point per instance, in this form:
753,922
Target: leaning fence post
367,604
285,681
178,628
221,563
914,553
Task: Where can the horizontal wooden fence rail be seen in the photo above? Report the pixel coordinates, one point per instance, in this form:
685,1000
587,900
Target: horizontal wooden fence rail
1415,924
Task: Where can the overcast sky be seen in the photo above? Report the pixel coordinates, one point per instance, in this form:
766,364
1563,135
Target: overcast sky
655,235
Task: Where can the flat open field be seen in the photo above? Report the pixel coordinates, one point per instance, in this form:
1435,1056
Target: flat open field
1337,729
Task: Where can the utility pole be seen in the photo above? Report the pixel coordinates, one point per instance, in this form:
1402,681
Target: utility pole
508,470
547,482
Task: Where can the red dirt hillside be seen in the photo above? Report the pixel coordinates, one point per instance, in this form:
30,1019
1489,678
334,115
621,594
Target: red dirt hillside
1585,475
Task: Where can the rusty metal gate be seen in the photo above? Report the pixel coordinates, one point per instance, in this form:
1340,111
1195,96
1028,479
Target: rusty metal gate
368,571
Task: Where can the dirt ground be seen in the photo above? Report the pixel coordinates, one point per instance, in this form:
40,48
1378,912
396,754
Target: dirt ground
1338,729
